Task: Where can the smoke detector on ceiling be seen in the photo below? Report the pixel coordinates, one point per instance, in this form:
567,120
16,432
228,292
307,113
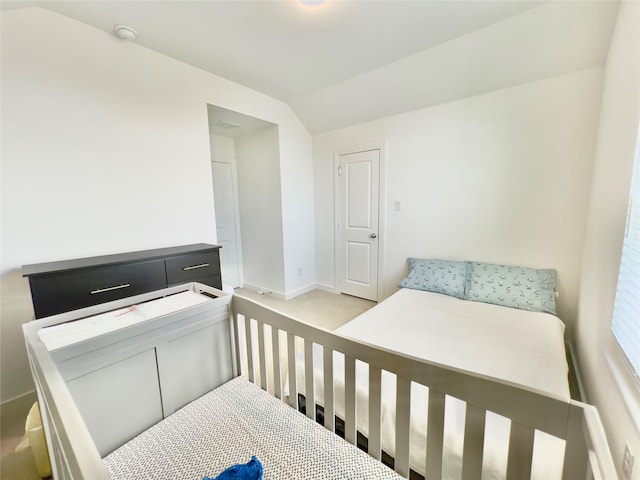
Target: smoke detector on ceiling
125,32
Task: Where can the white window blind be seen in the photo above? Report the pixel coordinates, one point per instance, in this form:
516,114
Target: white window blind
626,311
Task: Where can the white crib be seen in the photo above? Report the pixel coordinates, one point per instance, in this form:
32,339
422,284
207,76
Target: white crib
183,353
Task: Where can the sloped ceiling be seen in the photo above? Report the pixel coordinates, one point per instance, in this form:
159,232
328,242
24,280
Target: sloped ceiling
346,62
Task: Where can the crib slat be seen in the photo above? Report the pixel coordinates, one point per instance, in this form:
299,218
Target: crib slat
235,330
350,399
473,443
375,387
403,410
308,376
275,349
247,329
520,452
291,360
329,409
576,456
435,434
262,359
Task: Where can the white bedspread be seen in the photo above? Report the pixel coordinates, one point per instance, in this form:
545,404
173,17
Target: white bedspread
506,343
514,345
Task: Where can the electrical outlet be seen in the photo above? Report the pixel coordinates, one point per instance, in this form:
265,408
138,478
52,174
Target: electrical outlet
627,462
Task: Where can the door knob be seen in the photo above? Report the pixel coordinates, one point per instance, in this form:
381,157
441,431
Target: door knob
373,235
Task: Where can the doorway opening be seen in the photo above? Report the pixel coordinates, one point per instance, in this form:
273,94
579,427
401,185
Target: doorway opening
245,174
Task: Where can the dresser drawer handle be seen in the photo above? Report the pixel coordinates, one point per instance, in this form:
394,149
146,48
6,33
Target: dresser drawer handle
117,287
193,267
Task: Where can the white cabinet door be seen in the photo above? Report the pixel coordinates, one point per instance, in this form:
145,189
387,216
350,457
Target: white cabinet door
194,364
119,401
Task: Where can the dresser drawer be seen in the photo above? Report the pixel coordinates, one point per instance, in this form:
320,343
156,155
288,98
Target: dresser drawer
191,267
64,291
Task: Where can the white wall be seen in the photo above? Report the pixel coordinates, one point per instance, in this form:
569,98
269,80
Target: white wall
105,148
297,211
608,381
502,177
223,148
260,204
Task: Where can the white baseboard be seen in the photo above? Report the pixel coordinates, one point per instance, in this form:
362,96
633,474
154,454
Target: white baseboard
300,291
327,288
266,291
293,294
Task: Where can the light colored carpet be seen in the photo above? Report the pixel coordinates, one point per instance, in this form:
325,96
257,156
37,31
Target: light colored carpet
324,309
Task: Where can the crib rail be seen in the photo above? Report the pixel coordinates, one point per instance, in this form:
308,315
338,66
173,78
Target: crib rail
72,449
72,452
586,450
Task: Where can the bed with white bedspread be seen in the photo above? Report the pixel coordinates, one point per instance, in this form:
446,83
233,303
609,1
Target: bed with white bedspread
523,347
519,346
128,387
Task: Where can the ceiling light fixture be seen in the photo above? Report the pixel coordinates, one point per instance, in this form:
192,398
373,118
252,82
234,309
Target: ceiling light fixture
125,32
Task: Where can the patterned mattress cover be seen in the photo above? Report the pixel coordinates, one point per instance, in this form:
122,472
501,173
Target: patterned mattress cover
230,424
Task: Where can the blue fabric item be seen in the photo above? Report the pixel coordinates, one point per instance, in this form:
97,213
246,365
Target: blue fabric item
242,471
510,286
439,276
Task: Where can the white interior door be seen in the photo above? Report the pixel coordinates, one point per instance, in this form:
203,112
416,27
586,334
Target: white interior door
359,204
225,199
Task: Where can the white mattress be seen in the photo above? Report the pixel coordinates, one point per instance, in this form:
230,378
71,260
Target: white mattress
65,334
229,425
515,345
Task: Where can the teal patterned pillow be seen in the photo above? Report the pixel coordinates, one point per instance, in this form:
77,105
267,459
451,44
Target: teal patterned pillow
440,276
517,287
